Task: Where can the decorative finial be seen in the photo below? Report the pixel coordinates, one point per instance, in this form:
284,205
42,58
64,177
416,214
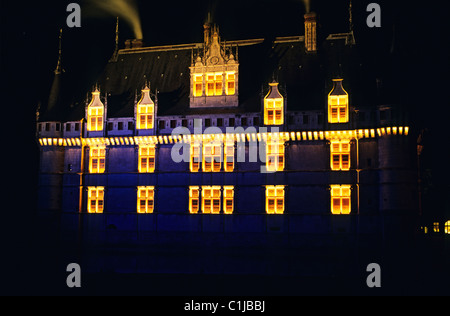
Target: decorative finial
59,69
350,13
116,49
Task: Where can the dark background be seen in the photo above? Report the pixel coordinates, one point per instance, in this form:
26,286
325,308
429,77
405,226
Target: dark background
410,52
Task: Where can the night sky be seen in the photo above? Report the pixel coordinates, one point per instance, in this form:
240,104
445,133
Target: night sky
410,51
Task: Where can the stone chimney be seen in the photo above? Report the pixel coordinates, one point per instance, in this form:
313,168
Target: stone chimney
311,32
136,43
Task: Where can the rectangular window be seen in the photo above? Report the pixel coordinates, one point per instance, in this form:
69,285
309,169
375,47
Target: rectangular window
338,109
194,202
340,155
340,199
145,199
120,126
147,155
230,84
231,121
305,119
194,164
229,156
218,81
198,85
95,119
210,84
97,158
219,122
275,199
211,199
436,227
275,155
212,157
214,84
95,199
273,112
228,199
145,116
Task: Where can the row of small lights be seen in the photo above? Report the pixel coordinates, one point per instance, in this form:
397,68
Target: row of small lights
170,139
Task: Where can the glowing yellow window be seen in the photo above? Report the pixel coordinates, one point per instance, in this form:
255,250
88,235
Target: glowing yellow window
275,199
211,199
194,202
145,110
95,119
228,199
145,199
212,157
274,106
218,83
198,85
229,156
210,84
194,164
447,227
340,199
146,158
145,116
95,112
97,159
275,155
230,84
338,103
95,199
436,227
340,155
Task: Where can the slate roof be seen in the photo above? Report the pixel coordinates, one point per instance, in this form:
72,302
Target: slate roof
305,79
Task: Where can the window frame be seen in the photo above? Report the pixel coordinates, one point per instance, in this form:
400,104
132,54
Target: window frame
273,157
148,198
195,153
96,155
336,105
98,199
341,194
145,116
147,153
274,195
194,196
339,154
95,118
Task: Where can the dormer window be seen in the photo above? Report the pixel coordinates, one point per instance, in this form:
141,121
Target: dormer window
274,106
95,113
145,111
214,73
338,103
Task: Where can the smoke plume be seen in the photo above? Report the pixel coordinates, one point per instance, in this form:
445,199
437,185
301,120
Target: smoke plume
125,9
307,5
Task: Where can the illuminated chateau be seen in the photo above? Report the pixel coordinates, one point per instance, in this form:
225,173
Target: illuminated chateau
279,135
